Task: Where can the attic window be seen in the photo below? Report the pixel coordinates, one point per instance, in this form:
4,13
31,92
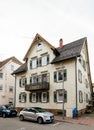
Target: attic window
39,46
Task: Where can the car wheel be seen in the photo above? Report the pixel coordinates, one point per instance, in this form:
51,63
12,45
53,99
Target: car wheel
4,115
40,120
21,117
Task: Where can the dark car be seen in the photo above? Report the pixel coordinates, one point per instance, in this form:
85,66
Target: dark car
6,111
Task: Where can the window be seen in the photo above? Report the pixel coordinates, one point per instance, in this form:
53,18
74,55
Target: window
22,82
80,96
86,83
10,100
1,88
80,76
44,97
22,97
39,46
34,63
44,60
58,96
11,89
59,75
1,75
33,97
86,98
12,67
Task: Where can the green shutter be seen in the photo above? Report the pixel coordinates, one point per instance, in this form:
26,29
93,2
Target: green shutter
25,81
39,62
30,64
20,97
36,97
47,96
55,76
30,97
65,96
65,75
30,80
55,96
20,82
25,97
47,59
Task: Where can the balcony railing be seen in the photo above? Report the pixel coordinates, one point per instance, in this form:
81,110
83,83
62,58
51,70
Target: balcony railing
37,86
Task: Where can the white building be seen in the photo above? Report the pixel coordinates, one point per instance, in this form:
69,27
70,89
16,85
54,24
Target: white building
39,80
7,81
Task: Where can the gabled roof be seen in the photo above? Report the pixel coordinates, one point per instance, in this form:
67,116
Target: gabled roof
36,39
21,69
14,59
69,51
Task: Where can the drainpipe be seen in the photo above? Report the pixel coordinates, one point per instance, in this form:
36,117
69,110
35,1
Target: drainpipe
15,92
76,82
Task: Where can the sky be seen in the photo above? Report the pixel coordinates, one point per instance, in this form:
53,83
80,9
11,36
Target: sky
20,20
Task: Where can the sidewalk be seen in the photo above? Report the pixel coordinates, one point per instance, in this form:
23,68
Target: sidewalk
80,120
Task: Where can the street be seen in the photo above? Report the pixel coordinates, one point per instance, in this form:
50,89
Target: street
15,124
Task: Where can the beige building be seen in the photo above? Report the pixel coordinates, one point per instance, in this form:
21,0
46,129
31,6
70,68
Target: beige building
7,81
48,70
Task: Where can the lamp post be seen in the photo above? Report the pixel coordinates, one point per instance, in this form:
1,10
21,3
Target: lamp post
62,69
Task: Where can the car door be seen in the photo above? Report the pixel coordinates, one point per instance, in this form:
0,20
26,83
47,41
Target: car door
32,114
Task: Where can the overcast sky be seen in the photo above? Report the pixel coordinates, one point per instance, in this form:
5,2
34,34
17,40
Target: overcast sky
20,20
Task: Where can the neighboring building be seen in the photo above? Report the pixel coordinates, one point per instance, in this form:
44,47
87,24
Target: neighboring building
7,81
39,79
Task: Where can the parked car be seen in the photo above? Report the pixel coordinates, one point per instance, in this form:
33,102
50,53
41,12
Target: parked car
6,111
36,114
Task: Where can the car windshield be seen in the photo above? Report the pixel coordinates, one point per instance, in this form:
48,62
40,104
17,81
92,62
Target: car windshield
4,107
39,109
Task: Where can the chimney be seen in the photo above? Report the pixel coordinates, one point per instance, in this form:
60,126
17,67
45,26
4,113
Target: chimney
61,43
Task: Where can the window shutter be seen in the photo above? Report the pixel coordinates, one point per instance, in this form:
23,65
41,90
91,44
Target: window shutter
39,62
55,96
65,75
47,96
20,97
65,96
39,99
55,76
31,64
25,97
30,97
47,59
25,81
36,97
30,80
20,82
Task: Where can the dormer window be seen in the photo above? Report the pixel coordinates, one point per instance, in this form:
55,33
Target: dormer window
39,46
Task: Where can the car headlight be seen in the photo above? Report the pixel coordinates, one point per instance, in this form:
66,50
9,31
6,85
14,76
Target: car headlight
8,111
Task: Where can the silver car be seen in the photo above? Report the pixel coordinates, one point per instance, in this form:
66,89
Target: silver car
36,114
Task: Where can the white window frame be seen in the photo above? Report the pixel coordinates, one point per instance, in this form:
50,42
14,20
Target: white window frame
44,60
12,67
39,46
80,76
23,97
33,97
80,96
62,74
58,99
44,99
34,81
34,63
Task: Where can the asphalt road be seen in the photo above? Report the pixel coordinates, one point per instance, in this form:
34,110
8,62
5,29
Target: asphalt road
15,124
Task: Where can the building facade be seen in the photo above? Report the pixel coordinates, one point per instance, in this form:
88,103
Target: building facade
53,76
7,81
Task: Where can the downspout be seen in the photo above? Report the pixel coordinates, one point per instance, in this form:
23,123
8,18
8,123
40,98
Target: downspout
76,83
15,92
